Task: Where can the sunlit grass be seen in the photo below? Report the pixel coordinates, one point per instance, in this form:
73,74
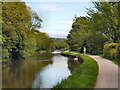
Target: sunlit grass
82,77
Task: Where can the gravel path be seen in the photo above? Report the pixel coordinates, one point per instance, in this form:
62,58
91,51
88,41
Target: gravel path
108,73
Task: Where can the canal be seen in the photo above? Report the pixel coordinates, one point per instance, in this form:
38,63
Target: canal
37,71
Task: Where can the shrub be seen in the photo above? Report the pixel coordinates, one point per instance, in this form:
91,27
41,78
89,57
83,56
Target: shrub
110,50
118,52
5,53
112,54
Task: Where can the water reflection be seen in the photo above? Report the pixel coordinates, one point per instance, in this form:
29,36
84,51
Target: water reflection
72,64
53,73
56,52
21,73
38,71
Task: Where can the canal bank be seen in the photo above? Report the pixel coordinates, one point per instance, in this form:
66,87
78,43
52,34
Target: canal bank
83,76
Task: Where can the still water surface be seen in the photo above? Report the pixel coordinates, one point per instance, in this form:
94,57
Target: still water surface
37,71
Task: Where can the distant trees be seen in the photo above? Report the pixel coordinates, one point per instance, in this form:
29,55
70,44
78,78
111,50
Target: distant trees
61,43
98,28
19,35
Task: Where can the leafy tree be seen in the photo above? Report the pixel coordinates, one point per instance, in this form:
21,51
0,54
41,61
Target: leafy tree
20,37
14,17
95,43
35,21
65,45
105,20
49,44
93,31
78,33
59,43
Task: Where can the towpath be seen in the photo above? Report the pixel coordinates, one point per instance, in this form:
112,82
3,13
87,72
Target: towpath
108,73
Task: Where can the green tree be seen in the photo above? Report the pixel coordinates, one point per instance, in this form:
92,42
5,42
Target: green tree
105,20
78,34
96,29
14,17
18,40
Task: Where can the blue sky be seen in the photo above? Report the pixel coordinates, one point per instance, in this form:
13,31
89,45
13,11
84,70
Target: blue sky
58,16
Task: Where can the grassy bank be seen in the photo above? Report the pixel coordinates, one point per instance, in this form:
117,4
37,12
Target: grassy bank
84,76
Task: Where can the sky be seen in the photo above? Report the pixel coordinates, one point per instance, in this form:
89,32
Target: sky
57,17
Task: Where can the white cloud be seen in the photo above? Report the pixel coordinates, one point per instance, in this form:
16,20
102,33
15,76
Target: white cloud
57,16
57,33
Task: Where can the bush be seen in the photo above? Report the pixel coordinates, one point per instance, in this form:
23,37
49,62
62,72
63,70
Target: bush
118,52
110,50
5,53
112,54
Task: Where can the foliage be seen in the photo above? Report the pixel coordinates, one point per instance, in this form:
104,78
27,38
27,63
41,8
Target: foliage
49,44
82,36
12,17
118,52
105,20
83,77
78,33
109,50
100,26
61,43
95,43
20,37
29,45
65,45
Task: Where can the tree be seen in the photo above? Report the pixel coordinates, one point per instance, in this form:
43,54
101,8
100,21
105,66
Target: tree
105,20
78,34
14,17
35,21
17,22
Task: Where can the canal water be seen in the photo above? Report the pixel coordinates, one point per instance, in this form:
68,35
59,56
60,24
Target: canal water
37,71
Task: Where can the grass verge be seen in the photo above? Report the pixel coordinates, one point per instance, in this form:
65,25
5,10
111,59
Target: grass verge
82,77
